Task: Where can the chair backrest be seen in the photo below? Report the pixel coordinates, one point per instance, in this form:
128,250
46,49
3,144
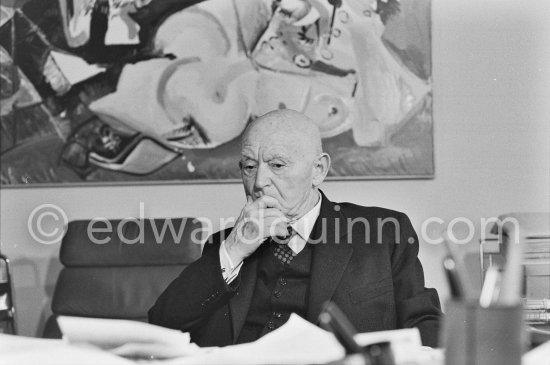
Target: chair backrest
7,307
118,268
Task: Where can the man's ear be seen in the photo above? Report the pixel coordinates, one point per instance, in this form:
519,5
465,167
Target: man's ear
320,169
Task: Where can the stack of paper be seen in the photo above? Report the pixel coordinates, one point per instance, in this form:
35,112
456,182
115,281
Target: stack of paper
20,350
127,338
296,342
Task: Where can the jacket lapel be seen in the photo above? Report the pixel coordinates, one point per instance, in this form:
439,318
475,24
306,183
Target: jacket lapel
239,303
331,255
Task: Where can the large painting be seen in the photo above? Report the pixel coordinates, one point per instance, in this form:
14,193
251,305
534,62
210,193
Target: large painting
127,91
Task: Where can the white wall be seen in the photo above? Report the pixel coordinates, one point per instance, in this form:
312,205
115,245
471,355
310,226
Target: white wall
491,74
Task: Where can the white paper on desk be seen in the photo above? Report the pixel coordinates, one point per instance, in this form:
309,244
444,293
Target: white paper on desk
540,355
20,350
406,345
127,338
296,342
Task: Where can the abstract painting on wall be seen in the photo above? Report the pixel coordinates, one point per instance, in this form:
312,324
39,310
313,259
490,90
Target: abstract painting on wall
142,91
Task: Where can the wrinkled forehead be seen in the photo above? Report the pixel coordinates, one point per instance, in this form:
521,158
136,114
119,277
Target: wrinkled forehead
276,132
269,142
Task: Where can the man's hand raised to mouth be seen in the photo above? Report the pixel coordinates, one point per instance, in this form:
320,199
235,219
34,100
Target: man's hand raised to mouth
259,219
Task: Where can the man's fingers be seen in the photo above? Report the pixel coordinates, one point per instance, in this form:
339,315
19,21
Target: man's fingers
255,230
264,205
276,227
268,202
259,219
268,217
280,231
272,213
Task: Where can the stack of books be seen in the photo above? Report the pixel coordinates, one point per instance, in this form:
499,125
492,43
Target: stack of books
537,311
537,248
536,261
532,232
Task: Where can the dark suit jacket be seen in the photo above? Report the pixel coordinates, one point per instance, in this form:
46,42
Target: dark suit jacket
365,261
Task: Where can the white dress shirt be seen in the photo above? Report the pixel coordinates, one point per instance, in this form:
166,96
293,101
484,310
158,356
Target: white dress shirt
302,227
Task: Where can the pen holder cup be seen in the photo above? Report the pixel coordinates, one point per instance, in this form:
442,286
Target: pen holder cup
473,335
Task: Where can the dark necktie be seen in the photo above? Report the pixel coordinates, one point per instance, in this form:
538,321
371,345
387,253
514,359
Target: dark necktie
281,250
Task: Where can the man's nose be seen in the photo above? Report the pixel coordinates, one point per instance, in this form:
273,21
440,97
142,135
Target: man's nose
263,176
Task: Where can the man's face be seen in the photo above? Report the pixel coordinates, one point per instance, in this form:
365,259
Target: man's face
277,163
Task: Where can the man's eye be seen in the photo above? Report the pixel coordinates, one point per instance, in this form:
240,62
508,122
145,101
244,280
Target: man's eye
249,168
276,165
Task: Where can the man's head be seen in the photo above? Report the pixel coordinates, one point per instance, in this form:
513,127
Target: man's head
282,157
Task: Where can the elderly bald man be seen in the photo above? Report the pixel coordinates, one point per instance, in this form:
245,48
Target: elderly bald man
292,249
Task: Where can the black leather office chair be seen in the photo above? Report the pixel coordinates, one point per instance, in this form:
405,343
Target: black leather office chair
120,271
7,307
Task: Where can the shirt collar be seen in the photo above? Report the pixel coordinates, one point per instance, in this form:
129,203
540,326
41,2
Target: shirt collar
304,225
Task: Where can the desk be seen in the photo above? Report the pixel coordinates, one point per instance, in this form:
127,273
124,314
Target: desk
19,350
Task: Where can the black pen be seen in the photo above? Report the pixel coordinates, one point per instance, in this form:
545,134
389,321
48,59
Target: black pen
455,282
332,319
